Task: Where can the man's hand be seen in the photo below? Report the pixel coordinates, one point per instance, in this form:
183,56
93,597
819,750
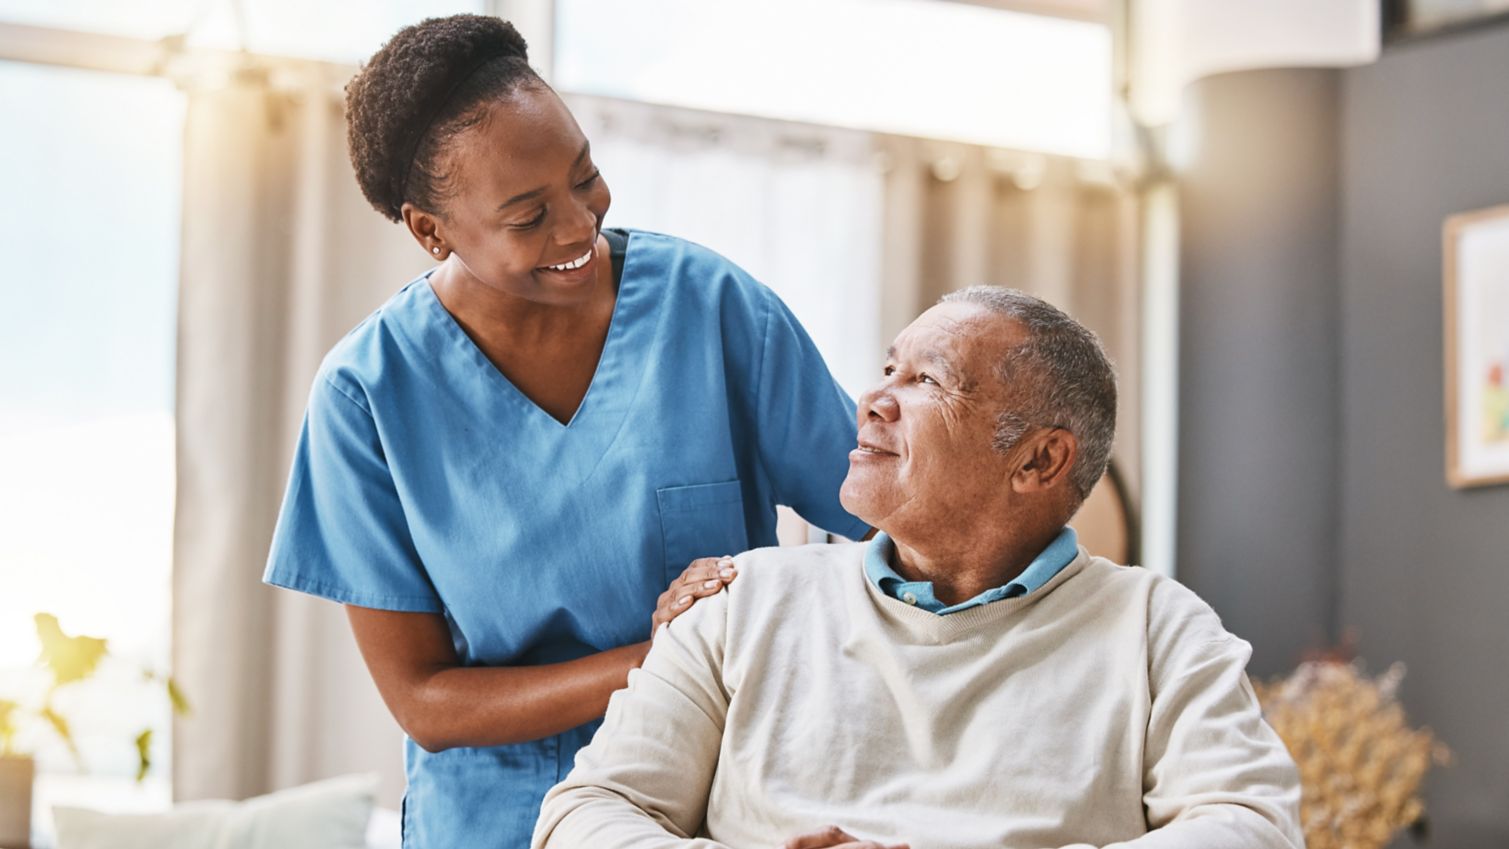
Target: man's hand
834,837
706,576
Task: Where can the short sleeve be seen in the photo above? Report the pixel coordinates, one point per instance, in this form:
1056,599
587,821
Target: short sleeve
806,424
341,533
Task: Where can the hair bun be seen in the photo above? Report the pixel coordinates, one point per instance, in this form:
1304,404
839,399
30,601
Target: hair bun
394,97
472,36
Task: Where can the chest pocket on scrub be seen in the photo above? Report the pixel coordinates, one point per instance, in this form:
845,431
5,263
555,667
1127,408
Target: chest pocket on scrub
702,520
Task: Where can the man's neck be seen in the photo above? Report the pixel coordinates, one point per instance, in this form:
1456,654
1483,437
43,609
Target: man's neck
964,566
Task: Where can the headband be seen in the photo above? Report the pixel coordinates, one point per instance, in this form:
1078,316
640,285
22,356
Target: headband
441,102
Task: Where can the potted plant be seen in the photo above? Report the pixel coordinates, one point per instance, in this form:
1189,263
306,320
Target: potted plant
69,660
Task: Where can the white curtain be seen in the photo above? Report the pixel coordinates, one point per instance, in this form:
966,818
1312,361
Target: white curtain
798,207
281,256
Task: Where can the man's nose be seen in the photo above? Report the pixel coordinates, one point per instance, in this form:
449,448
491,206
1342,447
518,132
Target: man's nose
877,404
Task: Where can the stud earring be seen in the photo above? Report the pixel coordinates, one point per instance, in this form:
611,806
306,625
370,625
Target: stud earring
435,250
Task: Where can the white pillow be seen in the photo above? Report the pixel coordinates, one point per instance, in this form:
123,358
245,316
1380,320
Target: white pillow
386,830
329,814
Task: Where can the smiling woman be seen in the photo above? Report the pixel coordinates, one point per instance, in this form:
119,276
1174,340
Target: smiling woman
501,470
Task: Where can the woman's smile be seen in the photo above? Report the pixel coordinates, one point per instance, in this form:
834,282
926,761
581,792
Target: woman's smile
573,272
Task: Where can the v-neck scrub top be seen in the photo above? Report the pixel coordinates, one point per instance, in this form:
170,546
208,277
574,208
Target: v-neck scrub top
423,480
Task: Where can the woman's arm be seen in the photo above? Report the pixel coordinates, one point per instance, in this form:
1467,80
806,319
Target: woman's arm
442,704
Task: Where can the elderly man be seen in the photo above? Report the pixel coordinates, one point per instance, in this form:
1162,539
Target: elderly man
968,678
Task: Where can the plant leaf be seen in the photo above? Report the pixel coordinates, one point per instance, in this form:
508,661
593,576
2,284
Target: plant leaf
60,725
143,754
8,727
179,700
70,658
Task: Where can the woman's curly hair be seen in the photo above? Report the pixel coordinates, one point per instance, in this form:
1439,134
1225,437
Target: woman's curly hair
429,83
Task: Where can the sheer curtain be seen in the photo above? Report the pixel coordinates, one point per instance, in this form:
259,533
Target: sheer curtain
798,207
281,256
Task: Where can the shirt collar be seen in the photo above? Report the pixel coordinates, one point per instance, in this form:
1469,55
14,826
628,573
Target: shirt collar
1049,562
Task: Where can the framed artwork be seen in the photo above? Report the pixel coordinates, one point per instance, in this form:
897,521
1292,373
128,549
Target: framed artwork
1476,252
1407,19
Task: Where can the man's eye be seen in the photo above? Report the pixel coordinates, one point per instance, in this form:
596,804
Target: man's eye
587,183
888,371
926,378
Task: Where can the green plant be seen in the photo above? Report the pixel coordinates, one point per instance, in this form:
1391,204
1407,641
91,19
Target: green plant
71,660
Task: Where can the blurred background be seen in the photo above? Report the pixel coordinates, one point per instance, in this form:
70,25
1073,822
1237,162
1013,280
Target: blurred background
1245,200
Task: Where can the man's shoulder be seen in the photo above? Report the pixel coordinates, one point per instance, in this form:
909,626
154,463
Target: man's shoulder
1171,608
1171,603
775,585
1166,597
1093,581
768,570
1181,629
780,582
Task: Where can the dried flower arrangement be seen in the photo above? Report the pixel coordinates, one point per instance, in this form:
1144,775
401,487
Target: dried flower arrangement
1360,764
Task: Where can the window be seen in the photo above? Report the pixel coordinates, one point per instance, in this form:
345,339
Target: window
333,30
86,406
912,67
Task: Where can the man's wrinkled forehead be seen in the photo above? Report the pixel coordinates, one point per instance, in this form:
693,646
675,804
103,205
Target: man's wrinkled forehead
967,339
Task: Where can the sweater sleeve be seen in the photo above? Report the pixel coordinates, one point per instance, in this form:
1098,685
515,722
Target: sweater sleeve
1216,776
644,780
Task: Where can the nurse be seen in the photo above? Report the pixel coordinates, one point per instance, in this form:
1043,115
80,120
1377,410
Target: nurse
503,468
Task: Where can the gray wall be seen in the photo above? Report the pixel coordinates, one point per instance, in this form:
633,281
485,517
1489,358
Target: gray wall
1424,569
1312,495
1258,418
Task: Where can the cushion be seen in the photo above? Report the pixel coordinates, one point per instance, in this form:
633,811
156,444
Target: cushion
329,814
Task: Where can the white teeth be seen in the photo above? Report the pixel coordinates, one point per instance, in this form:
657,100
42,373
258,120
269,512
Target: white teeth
572,265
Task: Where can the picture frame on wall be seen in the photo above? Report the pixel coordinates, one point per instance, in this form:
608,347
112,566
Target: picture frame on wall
1476,280
1409,19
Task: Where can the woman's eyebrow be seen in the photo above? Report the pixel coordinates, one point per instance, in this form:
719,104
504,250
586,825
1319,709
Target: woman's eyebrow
534,193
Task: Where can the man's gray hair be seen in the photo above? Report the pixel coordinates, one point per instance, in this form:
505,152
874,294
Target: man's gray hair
1061,377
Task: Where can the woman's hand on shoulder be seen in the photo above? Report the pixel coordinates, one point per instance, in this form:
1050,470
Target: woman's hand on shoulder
704,577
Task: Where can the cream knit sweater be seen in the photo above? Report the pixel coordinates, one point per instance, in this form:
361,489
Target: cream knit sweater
1109,708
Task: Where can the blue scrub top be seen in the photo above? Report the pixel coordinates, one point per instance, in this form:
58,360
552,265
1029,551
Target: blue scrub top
425,481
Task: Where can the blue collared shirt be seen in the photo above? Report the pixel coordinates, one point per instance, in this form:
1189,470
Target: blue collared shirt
1059,553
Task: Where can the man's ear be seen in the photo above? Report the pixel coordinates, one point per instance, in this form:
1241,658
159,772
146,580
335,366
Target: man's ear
425,227
1044,460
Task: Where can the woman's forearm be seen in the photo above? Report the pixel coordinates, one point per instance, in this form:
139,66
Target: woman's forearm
442,703
491,706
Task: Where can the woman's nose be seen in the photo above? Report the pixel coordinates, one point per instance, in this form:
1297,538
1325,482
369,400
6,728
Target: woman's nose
579,227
